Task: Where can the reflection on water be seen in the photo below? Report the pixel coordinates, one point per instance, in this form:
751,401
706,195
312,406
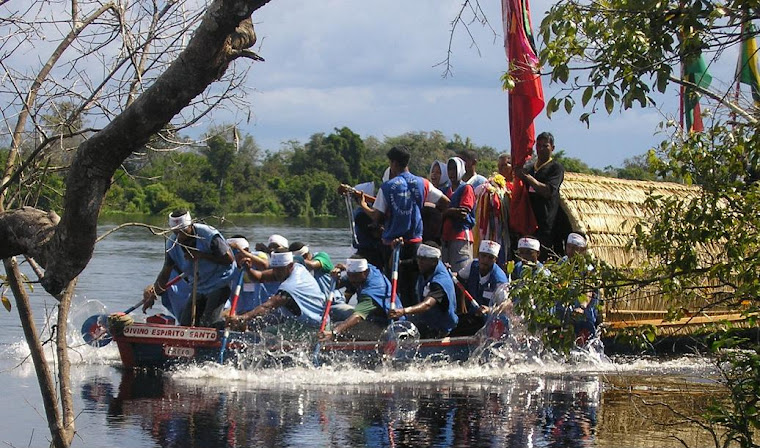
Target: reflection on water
567,410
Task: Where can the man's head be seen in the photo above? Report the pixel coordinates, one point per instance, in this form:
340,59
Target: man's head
238,243
277,242
470,159
399,157
428,255
505,166
487,255
300,249
528,249
544,146
357,269
181,224
576,244
281,263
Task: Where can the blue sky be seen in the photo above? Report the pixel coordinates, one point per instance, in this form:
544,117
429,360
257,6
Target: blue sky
371,65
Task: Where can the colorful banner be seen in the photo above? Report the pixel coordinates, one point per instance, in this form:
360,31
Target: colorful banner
526,100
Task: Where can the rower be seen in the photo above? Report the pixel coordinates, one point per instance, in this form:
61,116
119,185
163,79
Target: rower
435,312
481,278
319,264
251,294
296,308
584,312
373,291
196,247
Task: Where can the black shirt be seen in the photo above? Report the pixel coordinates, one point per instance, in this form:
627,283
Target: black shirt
552,174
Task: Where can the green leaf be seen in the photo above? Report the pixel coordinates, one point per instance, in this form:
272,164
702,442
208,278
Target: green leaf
609,102
568,105
6,303
587,95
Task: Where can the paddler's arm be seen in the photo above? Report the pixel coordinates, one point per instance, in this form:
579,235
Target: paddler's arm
341,327
265,308
261,276
419,308
256,262
152,291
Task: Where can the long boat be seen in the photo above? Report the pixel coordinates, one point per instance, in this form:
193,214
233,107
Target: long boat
151,345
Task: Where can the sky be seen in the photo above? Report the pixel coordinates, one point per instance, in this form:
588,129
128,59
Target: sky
372,66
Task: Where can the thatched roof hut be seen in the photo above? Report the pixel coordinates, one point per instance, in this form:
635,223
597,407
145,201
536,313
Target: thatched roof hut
607,211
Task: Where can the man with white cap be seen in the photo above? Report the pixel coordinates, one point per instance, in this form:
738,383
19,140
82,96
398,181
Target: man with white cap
277,242
298,303
196,247
483,276
458,219
252,293
373,291
584,313
528,249
435,312
398,206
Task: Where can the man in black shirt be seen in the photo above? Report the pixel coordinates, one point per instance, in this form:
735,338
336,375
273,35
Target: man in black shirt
543,180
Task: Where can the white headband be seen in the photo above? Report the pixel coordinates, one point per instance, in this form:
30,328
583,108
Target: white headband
356,265
281,259
529,243
490,247
426,251
278,240
180,222
240,243
576,239
302,251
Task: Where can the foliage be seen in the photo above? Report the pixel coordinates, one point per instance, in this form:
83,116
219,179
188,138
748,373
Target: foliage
704,249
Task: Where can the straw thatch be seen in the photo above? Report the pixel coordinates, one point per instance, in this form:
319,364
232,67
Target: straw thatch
607,211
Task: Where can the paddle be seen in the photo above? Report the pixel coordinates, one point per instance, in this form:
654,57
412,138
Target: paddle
95,328
388,340
325,317
235,297
461,287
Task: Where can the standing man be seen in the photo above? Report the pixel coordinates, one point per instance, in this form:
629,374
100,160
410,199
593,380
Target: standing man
192,248
399,206
459,218
543,180
470,158
435,312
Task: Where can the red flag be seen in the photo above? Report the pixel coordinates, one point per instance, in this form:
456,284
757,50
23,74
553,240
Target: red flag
526,100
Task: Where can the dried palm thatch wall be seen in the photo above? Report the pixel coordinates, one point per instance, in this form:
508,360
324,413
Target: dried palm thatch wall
607,210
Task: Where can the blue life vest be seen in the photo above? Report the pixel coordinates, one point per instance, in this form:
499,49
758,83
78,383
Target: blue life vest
468,222
176,296
483,292
436,317
211,276
377,287
303,287
404,196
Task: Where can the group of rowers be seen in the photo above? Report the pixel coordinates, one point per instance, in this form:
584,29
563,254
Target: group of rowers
285,287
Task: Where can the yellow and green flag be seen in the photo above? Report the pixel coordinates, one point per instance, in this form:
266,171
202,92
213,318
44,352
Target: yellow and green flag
746,70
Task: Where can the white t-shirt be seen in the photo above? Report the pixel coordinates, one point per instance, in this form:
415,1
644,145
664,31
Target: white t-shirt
433,195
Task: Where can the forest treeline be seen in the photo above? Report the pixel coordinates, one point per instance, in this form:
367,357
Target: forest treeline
228,174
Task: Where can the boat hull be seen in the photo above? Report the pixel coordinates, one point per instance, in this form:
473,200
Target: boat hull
161,346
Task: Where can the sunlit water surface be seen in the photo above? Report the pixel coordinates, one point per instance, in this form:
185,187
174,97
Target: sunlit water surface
589,402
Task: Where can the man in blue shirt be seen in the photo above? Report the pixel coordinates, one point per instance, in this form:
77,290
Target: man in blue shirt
192,248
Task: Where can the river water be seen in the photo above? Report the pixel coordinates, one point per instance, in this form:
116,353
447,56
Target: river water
591,403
